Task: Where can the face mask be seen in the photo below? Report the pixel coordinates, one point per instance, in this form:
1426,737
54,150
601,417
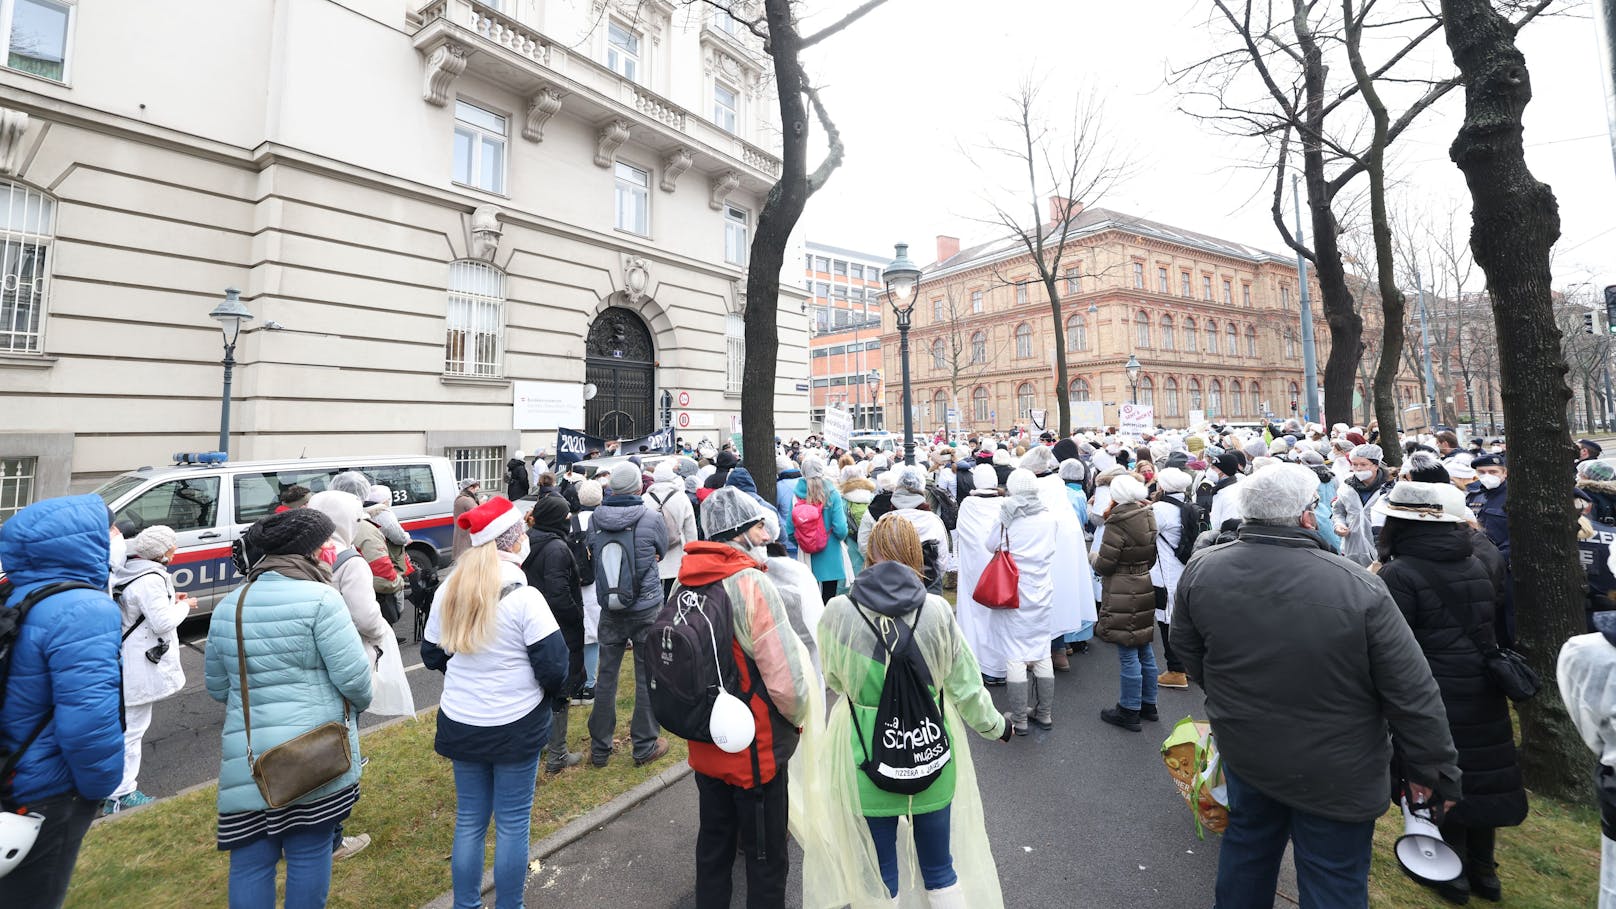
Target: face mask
1489,481
1364,476
523,550
119,552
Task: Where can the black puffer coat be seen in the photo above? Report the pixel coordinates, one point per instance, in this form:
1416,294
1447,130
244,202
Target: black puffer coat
1435,578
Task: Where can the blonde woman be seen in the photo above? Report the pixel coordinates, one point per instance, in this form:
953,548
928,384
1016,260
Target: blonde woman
860,861
503,658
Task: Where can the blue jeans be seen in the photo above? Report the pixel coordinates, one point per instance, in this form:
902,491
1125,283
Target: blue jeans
591,663
1332,857
931,849
307,851
505,792
1138,676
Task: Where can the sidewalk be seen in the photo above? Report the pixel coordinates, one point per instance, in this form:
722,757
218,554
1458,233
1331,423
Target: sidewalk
1084,815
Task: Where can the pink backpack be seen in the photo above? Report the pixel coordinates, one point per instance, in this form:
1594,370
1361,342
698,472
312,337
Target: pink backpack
808,520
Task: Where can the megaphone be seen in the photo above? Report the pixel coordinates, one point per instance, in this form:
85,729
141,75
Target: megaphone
1421,851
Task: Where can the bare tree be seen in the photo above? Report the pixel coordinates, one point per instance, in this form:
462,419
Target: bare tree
1070,168
1515,223
777,24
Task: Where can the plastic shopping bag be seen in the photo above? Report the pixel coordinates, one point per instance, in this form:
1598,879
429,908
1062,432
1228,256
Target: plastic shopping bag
1192,760
390,687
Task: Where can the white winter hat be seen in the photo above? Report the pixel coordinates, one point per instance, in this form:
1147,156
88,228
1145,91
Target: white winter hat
985,477
154,542
1001,458
1171,479
1126,488
1021,483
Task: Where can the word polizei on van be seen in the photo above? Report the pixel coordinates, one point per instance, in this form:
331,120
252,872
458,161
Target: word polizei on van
210,503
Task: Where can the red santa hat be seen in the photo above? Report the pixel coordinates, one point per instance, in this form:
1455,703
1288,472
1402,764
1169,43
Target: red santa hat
490,519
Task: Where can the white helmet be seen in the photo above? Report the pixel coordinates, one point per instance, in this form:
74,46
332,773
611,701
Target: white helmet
731,724
17,835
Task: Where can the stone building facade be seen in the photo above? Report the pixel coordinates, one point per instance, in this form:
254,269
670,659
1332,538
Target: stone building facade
436,202
1214,324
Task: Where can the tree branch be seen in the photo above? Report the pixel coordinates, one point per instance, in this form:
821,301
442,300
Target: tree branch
849,19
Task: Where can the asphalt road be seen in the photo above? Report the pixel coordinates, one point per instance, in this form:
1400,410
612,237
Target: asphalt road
182,747
1084,815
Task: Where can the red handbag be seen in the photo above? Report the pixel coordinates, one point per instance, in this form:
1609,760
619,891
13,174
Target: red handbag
999,587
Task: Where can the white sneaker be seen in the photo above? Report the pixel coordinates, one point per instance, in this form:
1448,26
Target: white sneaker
351,846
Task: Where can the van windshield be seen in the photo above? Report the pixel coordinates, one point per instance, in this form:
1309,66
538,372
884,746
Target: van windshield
115,488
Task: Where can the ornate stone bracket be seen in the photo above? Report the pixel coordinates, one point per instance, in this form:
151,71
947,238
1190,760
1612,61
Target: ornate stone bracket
674,166
540,108
13,126
612,137
442,66
483,239
723,185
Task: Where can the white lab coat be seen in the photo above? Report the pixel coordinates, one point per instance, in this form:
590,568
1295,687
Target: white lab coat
1167,570
1072,577
977,528
1022,635
1226,505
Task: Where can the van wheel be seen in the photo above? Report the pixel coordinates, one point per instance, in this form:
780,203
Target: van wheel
423,555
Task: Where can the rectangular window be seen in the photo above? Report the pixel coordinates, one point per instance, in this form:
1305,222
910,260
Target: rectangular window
976,301
36,37
839,291
735,233
633,199
1206,287
474,342
725,23
1284,297
191,503
735,352
1139,275
1074,280
1161,281
479,148
623,51
872,274
485,465
1228,293
726,101
808,264
1021,295
839,267
821,264
16,485
1184,284
822,290
1245,294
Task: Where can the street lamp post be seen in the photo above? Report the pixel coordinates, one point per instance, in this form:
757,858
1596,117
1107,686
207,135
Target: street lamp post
1132,369
230,314
903,281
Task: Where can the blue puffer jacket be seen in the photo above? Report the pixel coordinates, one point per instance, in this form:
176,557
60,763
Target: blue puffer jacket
303,658
66,654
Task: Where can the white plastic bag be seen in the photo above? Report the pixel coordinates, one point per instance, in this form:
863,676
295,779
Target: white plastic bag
390,687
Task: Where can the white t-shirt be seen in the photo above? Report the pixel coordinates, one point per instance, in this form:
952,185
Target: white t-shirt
495,685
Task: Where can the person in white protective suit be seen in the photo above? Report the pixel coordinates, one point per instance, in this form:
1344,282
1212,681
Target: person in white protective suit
1072,578
1587,676
977,529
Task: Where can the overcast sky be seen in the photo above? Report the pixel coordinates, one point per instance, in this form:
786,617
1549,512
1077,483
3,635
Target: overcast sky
915,80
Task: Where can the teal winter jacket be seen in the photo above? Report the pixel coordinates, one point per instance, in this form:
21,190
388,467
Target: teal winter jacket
304,657
827,563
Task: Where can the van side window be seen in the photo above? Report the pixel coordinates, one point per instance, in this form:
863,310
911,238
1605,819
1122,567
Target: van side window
411,484
257,494
191,503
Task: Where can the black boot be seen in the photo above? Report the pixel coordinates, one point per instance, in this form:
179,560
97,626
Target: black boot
1456,891
1148,712
1121,716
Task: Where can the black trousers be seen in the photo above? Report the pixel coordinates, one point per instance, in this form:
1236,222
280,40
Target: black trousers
41,880
1473,844
827,589
1174,664
758,818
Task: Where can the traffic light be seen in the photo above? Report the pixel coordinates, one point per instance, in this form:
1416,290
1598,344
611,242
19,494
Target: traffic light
1610,308
1587,323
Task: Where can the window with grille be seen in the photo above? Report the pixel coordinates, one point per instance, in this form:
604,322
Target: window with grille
735,352
486,465
1211,337
25,246
1161,281
1206,287
474,345
623,51
1074,279
735,234
1183,283
1024,340
479,148
1077,334
16,485
35,34
1228,293
1214,398
1170,392
1026,399
1245,294
979,404
937,310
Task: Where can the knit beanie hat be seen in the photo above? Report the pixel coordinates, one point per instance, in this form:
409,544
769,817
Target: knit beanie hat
550,512
625,479
1423,467
469,482
1171,479
154,542
1126,489
490,519
1021,483
301,531
589,493
1066,450
985,477
1195,444
727,460
1227,463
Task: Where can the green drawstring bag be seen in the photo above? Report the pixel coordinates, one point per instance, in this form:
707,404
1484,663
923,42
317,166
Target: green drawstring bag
1191,756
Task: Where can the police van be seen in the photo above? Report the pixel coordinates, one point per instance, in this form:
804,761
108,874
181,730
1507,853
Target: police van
211,505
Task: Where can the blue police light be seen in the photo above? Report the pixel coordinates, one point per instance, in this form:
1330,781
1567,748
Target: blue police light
200,457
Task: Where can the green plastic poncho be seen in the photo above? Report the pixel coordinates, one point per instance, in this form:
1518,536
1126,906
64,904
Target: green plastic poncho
839,861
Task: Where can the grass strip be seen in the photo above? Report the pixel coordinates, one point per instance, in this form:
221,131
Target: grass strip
164,856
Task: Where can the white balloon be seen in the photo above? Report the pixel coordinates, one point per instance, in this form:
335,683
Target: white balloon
731,724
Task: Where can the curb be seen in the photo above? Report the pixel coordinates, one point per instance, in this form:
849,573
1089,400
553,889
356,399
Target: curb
582,826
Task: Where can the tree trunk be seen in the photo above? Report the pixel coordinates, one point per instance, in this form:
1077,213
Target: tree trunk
1515,222
1062,394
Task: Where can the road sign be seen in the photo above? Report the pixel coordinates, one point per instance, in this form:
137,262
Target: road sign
684,419
802,386
684,399
953,415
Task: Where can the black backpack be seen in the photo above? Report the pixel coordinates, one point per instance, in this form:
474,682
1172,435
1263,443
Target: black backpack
691,656
944,506
578,542
912,747
1189,522
11,619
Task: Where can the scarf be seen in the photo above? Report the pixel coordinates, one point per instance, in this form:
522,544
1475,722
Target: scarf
1019,506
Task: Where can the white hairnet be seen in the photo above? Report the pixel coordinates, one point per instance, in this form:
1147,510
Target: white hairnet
352,482
1040,460
911,479
1279,493
1369,453
1071,471
1587,677
985,477
728,510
